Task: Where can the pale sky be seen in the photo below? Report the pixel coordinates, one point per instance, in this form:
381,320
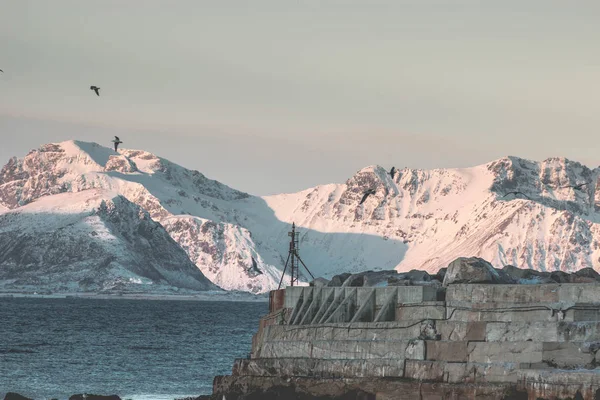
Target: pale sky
281,95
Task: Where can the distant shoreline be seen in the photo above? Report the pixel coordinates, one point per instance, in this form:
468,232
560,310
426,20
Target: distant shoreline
210,296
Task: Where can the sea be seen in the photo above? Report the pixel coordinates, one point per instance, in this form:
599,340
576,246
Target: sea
137,349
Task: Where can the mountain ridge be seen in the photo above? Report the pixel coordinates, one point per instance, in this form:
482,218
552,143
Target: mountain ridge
420,219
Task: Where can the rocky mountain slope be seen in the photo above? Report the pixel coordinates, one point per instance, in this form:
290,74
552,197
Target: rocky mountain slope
91,241
416,220
438,215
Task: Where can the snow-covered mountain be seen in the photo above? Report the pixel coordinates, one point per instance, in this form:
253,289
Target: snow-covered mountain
91,241
417,219
435,216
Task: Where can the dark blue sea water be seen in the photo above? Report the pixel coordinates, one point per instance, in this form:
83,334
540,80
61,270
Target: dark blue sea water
138,349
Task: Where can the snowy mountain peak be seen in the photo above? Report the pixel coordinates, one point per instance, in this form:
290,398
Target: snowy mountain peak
543,215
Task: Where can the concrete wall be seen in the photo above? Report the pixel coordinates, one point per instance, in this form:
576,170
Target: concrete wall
479,333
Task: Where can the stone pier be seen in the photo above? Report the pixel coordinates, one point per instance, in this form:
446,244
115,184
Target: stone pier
465,341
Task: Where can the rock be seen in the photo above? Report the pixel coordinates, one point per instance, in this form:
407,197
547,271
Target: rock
560,277
371,278
566,355
355,281
428,331
93,397
441,274
527,276
338,280
397,281
15,396
319,282
504,277
588,273
472,270
415,275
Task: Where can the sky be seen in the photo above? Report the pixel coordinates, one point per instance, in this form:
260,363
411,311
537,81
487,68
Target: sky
272,96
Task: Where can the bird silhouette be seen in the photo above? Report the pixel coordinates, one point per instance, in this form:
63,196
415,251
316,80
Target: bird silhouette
393,172
116,142
1,71
95,89
366,194
516,193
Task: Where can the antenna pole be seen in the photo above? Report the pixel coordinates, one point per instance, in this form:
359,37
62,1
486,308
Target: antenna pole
294,259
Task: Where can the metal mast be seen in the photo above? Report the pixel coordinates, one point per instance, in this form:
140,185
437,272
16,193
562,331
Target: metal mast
294,260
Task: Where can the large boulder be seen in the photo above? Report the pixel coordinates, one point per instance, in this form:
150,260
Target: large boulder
527,276
319,282
93,397
372,278
441,274
416,275
338,280
472,270
585,275
15,396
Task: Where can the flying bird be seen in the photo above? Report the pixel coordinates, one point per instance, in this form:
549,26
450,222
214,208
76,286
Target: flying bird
1,71
95,89
116,142
393,172
516,193
366,194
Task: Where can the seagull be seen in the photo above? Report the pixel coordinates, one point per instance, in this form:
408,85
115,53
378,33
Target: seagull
516,193
393,172
366,194
95,89
116,142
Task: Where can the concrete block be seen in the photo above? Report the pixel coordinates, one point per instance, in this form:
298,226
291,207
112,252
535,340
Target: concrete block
346,309
480,373
460,330
366,310
400,330
579,293
424,370
569,355
345,349
327,369
508,312
498,352
437,350
480,293
383,294
292,294
424,310
583,315
365,350
327,298
521,331
338,297
307,300
385,309
578,331
442,371
416,294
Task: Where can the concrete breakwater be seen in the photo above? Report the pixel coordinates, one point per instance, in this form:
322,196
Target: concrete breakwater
484,341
